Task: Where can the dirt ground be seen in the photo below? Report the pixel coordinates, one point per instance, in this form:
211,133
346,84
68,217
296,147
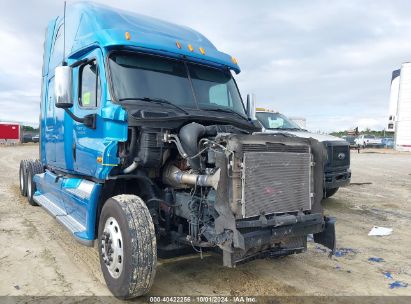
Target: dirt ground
38,257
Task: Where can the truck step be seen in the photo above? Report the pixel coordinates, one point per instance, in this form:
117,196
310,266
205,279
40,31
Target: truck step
72,201
71,224
48,204
46,201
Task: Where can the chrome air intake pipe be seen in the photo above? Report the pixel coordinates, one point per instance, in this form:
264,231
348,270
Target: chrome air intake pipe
175,177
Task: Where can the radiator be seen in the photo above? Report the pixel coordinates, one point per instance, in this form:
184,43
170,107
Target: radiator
275,182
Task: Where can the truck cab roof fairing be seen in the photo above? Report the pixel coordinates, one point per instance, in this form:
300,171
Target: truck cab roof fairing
89,24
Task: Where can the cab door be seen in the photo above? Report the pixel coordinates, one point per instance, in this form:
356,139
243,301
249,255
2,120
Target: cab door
87,142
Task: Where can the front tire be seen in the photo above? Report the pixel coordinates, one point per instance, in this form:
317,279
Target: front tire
127,246
330,192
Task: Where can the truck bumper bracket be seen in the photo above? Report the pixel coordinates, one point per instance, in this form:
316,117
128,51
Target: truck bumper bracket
327,236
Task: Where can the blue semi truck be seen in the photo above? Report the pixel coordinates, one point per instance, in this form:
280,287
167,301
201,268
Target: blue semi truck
147,150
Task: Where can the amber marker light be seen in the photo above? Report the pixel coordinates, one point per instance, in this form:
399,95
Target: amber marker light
202,51
190,47
234,60
178,44
127,35
99,159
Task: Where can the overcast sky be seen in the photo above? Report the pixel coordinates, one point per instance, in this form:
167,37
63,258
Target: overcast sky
327,61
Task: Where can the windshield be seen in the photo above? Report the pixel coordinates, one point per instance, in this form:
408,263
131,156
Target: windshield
137,76
275,121
214,88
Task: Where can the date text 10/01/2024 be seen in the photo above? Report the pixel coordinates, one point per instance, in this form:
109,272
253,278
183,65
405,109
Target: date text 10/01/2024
203,299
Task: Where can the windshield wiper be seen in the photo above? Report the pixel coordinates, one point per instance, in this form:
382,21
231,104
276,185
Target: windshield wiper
156,100
226,111
291,129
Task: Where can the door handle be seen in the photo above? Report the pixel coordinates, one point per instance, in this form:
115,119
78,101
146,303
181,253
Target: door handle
74,151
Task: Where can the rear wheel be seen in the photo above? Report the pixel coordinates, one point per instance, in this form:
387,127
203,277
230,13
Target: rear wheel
127,246
33,168
330,192
23,176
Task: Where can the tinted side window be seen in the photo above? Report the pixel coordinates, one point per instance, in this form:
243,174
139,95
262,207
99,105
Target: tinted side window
89,85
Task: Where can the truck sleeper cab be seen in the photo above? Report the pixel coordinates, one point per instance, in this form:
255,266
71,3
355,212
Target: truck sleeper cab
146,147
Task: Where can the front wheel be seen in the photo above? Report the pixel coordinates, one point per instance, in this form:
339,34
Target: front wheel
127,246
330,192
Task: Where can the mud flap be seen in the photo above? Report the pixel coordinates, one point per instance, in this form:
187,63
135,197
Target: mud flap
327,236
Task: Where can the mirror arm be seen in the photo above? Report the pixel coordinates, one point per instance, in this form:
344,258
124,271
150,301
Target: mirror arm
78,63
88,120
74,117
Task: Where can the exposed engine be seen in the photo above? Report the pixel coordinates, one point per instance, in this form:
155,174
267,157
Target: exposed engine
217,187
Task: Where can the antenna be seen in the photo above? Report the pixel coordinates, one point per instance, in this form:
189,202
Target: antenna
64,63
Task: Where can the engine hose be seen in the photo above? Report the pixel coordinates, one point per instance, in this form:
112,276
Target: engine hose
189,135
131,168
133,144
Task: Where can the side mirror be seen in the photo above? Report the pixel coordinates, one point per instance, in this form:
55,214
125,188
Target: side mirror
63,87
251,106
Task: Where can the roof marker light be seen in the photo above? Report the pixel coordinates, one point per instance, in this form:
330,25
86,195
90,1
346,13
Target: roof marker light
202,51
127,35
234,60
178,44
190,47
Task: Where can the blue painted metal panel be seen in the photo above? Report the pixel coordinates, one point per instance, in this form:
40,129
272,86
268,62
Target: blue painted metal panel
77,197
81,207
47,46
111,128
45,89
48,185
75,148
90,25
50,127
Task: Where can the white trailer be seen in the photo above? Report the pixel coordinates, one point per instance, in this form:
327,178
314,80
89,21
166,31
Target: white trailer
392,110
403,115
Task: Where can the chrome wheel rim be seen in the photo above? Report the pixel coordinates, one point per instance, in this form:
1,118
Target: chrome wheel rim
111,246
21,178
29,184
